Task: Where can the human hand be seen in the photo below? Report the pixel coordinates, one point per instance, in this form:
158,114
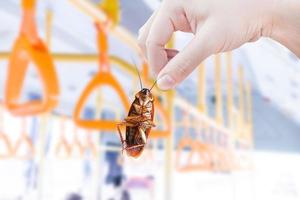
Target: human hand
217,26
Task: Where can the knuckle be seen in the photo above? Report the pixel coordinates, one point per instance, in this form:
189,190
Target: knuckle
181,70
183,66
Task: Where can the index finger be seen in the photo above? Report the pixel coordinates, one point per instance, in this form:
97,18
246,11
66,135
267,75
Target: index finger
160,33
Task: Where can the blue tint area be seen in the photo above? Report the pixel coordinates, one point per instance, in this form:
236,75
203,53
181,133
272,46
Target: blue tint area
193,133
115,172
31,168
30,174
130,11
87,168
109,136
178,135
107,114
34,96
49,137
273,130
178,114
88,113
187,91
34,130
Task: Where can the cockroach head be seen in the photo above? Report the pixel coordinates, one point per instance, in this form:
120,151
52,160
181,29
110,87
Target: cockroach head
145,94
145,91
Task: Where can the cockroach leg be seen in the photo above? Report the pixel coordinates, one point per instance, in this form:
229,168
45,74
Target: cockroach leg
151,123
126,123
138,108
143,135
133,119
120,132
135,146
148,124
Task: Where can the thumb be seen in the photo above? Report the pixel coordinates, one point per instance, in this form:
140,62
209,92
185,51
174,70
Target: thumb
179,67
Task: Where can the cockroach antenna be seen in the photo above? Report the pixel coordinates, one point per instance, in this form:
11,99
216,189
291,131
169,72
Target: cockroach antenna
153,84
137,70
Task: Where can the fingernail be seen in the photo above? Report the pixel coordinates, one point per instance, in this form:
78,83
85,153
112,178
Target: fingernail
165,82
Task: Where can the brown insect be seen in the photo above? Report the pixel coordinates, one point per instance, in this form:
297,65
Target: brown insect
138,122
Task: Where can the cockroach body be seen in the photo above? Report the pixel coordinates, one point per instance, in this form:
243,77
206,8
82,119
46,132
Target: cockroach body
138,123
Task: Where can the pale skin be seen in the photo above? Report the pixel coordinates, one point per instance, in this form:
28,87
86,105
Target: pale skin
218,26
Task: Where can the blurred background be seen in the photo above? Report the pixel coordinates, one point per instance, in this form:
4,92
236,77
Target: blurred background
231,130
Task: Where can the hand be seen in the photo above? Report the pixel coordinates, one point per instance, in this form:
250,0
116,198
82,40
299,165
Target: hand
217,26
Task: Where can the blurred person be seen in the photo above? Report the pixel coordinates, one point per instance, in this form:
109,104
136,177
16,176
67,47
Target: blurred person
74,196
218,26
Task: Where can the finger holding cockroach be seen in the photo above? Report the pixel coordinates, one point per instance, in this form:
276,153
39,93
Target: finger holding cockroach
138,123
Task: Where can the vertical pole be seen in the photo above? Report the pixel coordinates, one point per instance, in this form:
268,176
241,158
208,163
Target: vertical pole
41,154
98,164
49,20
202,89
229,89
249,112
230,106
169,148
218,92
241,102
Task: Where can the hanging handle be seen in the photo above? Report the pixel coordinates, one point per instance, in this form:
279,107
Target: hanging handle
77,144
24,140
63,144
4,139
28,4
103,79
28,47
197,150
102,42
28,24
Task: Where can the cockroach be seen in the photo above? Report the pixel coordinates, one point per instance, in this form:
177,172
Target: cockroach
138,122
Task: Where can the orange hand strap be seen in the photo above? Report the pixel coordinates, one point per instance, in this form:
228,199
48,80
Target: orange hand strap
26,140
8,146
221,155
77,144
100,79
28,4
4,140
63,145
69,148
198,149
102,42
28,47
104,77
